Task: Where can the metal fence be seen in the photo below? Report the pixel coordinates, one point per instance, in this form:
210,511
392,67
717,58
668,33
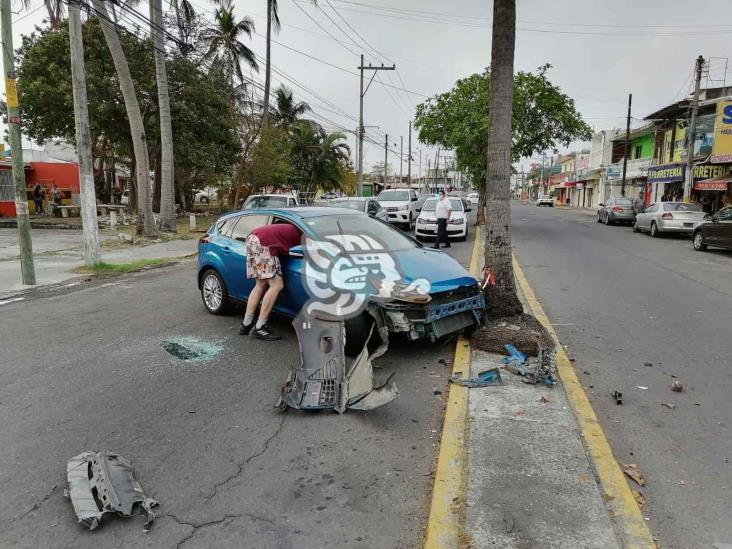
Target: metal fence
7,188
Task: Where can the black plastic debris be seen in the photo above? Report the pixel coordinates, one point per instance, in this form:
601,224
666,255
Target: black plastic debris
618,396
105,482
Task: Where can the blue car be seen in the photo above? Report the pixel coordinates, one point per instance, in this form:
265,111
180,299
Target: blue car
455,302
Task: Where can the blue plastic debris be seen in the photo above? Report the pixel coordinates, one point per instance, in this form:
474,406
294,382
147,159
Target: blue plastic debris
486,378
513,354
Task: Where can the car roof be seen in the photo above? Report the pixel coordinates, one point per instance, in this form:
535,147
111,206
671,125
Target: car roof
302,212
350,198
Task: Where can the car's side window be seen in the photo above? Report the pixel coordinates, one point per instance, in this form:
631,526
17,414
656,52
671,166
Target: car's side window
246,224
652,208
724,216
224,227
291,202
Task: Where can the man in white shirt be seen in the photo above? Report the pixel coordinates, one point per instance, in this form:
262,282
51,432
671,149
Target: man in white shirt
443,210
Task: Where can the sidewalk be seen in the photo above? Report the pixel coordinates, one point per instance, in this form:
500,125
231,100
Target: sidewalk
58,253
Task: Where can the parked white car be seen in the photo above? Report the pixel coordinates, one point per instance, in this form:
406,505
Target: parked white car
257,201
401,205
457,226
205,196
669,217
545,200
473,199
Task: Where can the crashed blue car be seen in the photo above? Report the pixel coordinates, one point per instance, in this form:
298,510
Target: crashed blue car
450,300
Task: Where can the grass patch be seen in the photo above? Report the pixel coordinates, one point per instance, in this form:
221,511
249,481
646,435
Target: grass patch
123,268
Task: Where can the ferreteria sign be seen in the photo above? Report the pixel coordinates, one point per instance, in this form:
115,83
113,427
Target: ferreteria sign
712,171
666,173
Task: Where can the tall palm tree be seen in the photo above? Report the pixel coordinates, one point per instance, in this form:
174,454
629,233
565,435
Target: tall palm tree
502,299
168,219
56,11
145,220
319,159
224,45
273,24
288,110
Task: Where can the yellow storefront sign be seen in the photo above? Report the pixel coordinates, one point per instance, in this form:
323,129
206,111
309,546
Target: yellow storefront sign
722,148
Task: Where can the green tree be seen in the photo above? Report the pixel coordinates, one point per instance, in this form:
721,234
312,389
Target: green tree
269,166
288,109
543,117
319,159
223,40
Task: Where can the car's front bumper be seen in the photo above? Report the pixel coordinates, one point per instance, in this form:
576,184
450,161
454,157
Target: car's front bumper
446,313
429,230
399,216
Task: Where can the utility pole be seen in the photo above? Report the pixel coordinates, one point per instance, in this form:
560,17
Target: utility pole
401,157
543,161
27,268
437,167
689,180
429,163
83,141
627,145
409,166
363,91
386,150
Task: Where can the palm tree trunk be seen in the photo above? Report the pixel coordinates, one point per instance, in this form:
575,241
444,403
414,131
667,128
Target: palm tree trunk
167,190
268,63
145,220
501,299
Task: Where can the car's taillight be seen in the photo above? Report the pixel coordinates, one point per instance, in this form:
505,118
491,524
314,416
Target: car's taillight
617,209
205,239
667,216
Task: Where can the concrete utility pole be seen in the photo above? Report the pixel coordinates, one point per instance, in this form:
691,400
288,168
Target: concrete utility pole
627,145
27,268
429,164
409,156
437,168
363,91
83,140
401,157
689,180
386,150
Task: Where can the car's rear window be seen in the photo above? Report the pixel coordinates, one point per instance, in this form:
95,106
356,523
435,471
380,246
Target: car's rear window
357,205
680,207
266,202
623,202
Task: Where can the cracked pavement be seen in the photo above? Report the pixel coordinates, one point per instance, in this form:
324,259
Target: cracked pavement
83,369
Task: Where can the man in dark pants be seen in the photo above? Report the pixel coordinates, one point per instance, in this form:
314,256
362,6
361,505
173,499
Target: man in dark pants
443,210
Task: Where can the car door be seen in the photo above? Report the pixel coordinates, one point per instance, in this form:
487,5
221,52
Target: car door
236,255
294,294
719,232
380,213
643,220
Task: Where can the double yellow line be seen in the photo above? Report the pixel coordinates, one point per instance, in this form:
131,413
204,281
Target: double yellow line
447,510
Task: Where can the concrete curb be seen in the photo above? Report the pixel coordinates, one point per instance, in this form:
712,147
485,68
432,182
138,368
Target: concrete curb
447,510
630,525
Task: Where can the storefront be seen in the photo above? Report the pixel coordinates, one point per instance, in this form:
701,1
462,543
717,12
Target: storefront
666,181
712,194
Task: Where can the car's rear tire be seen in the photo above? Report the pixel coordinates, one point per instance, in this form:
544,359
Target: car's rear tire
654,230
213,292
607,220
698,241
357,333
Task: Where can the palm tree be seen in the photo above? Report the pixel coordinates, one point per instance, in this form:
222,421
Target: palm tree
319,159
288,110
224,45
168,219
273,24
145,220
501,298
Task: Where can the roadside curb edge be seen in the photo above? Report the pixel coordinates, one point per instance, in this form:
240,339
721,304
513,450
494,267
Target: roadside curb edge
622,507
445,522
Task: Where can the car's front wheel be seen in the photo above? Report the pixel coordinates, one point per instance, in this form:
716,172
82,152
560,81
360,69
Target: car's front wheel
213,292
636,229
698,242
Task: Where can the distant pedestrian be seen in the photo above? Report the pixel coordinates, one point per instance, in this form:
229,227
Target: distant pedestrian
443,211
264,245
57,195
706,205
639,203
679,196
664,198
38,199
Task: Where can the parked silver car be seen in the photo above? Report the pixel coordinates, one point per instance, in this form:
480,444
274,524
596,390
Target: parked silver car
668,217
616,210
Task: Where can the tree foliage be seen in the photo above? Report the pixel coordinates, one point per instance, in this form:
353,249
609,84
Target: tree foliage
543,117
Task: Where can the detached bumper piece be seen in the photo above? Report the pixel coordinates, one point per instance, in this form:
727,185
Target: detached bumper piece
105,482
324,380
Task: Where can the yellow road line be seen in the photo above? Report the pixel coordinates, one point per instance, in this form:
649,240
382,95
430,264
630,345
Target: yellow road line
448,494
618,498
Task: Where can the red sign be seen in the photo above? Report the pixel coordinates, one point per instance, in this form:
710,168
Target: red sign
712,185
14,119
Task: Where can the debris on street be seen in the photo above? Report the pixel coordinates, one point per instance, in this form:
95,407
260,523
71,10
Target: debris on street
544,399
669,405
486,378
642,388
191,349
105,482
677,386
618,396
324,379
631,470
640,497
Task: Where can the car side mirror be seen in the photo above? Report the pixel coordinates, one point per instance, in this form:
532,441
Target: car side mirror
601,205
296,251
372,213
414,199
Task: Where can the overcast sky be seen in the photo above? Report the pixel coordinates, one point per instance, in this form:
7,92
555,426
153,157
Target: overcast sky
600,50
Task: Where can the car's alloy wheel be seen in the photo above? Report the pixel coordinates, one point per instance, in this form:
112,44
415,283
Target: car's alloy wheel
698,240
607,220
213,292
654,230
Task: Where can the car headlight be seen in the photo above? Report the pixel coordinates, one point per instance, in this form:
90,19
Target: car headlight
456,221
404,208
420,221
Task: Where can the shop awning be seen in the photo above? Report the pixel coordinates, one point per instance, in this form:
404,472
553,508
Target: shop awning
719,184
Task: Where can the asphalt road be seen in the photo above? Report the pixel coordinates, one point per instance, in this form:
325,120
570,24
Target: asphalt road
85,370
641,312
